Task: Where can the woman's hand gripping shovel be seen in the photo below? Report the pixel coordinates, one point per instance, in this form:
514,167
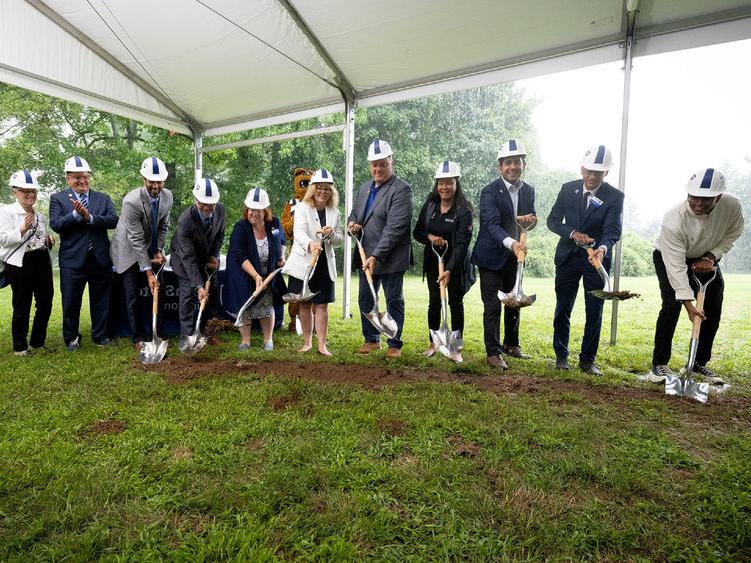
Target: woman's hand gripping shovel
305,294
383,322
196,342
153,352
448,342
684,385
253,296
516,299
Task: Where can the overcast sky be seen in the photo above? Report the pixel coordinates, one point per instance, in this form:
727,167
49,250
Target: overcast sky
689,110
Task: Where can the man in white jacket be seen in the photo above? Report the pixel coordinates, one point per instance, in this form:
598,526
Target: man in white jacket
694,236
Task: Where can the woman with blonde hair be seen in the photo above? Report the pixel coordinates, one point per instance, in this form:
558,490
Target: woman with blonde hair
317,229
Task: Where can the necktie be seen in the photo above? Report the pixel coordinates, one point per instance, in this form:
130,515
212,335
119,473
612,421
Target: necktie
153,247
371,199
84,198
207,223
585,200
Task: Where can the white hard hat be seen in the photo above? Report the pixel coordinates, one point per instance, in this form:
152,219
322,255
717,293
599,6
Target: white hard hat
23,179
257,198
205,191
322,176
154,169
597,158
512,147
379,149
448,169
707,182
76,164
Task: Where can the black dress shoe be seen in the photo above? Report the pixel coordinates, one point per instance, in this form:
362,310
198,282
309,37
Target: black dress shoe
496,362
515,352
561,363
589,367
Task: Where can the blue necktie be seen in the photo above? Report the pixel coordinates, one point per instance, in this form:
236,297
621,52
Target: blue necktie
207,226
371,199
153,247
85,200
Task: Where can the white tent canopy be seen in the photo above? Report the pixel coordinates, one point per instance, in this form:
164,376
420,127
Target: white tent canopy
208,67
221,65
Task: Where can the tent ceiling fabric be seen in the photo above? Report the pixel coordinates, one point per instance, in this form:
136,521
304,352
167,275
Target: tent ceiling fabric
223,65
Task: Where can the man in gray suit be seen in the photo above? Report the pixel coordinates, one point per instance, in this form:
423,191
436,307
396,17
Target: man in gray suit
383,214
140,236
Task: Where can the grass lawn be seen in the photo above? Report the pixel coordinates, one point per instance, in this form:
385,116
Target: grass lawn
233,455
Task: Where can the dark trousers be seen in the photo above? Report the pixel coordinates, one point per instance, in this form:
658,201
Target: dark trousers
72,284
32,280
392,289
567,276
189,306
131,286
491,282
670,312
454,295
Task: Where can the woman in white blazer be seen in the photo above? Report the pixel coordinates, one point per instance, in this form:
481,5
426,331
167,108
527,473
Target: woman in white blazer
317,228
24,249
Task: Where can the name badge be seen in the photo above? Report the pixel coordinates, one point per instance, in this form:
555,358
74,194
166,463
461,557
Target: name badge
274,231
448,220
594,200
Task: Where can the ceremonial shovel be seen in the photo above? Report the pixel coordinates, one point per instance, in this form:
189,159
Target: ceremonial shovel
153,352
383,322
449,343
685,386
606,293
254,295
516,299
196,342
305,294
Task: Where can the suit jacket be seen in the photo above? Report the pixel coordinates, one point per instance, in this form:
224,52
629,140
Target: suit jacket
602,223
497,221
12,243
385,230
130,244
76,234
191,248
306,226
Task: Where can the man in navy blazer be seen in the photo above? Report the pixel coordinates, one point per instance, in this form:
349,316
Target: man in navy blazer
82,217
501,202
383,214
587,212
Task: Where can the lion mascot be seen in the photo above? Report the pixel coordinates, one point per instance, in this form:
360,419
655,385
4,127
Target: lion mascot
302,181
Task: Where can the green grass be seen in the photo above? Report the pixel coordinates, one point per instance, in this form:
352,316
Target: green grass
100,458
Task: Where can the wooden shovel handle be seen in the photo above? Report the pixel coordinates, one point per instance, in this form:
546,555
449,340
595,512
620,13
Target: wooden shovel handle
441,284
521,254
697,319
155,302
315,253
368,275
596,261
205,299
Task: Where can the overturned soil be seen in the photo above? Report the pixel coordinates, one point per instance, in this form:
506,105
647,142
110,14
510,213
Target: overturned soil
102,428
185,369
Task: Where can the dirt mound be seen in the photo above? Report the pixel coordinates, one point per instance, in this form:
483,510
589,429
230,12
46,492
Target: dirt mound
101,428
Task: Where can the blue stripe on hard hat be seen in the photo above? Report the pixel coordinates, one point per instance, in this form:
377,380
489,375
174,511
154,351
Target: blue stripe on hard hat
324,173
29,179
706,182
208,187
154,166
600,156
512,145
445,165
376,147
257,194
78,162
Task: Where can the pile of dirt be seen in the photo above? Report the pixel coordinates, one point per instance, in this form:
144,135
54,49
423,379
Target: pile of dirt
102,428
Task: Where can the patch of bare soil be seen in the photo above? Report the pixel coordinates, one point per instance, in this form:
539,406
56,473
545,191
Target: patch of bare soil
181,452
185,369
102,428
462,448
391,426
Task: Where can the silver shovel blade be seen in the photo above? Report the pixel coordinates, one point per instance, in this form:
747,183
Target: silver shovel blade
153,352
674,385
696,390
456,342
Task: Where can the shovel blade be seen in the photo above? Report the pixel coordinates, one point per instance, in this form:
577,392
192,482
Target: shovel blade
696,390
153,352
602,294
674,385
456,342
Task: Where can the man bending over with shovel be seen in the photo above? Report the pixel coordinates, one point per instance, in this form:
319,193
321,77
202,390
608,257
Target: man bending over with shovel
382,217
586,214
497,247
194,255
694,236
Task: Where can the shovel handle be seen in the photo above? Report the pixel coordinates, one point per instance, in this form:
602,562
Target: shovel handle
697,319
155,302
314,258
598,265
368,275
205,299
441,284
521,254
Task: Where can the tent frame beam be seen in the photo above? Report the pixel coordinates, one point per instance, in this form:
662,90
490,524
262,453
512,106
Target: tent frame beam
274,138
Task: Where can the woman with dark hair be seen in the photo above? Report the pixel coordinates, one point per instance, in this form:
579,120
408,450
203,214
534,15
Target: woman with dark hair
445,222
254,252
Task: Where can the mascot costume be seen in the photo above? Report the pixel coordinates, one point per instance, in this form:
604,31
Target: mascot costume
302,181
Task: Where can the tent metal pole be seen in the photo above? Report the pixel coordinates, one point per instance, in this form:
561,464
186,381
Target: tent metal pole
349,150
628,45
198,155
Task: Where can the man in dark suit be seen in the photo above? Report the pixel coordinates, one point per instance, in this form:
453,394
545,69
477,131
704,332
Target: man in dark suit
496,248
383,213
194,250
587,213
140,236
82,217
